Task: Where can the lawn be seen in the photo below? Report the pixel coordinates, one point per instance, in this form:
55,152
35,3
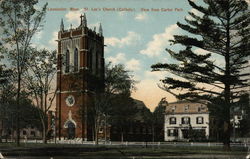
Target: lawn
10,149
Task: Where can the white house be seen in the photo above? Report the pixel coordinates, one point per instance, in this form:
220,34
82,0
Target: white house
183,119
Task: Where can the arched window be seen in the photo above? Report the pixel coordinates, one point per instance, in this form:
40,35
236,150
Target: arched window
76,60
67,56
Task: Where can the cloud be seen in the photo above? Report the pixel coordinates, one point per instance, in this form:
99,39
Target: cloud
120,57
200,51
96,25
218,59
38,35
52,41
36,41
160,41
141,16
132,38
73,17
156,75
133,65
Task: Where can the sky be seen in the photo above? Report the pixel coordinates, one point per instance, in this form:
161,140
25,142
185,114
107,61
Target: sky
136,34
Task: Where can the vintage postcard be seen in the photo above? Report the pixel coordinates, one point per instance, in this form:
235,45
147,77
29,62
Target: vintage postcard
124,79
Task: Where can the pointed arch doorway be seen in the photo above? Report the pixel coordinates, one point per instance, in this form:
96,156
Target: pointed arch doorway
71,130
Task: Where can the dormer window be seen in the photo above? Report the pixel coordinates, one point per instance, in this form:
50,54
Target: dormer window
199,109
173,108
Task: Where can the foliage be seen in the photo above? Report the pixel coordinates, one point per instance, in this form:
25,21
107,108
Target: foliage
39,80
123,111
113,103
244,106
159,112
9,110
222,31
20,20
158,120
118,80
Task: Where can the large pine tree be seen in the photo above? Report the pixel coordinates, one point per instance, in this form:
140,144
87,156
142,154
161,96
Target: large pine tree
222,30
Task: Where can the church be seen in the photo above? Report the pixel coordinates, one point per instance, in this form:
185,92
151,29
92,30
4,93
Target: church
80,59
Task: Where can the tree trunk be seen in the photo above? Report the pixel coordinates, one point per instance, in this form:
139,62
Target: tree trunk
226,135
153,133
96,137
93,134
44,131
44,118
18,107
96,130
122,136
105,131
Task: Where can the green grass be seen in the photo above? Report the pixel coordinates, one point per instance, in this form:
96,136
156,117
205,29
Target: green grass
10,149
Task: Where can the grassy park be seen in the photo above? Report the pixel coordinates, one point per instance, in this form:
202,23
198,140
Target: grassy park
9,149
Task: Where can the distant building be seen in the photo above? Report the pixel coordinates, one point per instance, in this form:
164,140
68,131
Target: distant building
29,132
185,120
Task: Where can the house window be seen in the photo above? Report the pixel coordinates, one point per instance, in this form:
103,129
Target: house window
172,132
199,109
186,108
185,120
199,120
172,120
24,132
173,108
67,56
76,60
33,133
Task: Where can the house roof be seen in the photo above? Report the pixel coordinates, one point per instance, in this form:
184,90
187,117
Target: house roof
186,107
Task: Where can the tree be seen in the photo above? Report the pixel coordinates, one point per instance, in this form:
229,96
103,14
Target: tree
122,112
20,20
6,93
111,99
8,107
9,111
158,120
222,30
244,106
39,80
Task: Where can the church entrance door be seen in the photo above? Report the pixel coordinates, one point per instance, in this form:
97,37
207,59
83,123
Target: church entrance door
71,130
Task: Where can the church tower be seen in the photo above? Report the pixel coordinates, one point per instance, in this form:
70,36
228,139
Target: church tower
80,64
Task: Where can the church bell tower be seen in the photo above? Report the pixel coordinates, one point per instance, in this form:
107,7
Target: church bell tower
80,61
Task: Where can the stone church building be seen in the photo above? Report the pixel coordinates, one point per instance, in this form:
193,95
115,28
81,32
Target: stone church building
80,57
